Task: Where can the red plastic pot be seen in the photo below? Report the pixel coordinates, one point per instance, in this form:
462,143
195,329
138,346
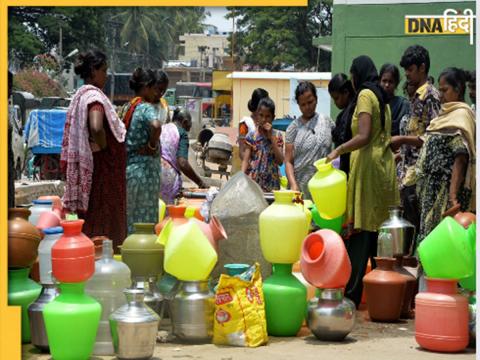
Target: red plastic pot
324,260
73,255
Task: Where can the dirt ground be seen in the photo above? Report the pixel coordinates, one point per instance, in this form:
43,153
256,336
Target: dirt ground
368,340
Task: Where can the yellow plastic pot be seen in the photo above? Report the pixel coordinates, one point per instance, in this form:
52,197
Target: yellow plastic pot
329,190
283,226
189,256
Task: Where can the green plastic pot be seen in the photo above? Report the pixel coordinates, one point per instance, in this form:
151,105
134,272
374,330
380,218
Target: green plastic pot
470,283
22,291
72,321
446,252
333,224
285,301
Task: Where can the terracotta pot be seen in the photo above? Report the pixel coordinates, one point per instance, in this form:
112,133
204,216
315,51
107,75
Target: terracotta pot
98,244
324,261
410,288
49,219
23,239
176,213
73,255
213,230
385,290
465,219
441,317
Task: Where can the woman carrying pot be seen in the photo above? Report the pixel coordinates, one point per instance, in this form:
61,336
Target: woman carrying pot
308,138
372,185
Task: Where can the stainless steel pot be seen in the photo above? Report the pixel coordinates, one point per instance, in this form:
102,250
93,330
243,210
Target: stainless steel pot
332,317
192,311
396,235
134,327
152,296
35,313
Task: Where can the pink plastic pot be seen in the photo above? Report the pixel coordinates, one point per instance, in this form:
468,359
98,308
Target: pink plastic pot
324,260
213,230
49,219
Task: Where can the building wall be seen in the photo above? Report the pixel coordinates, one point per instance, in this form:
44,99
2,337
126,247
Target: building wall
379,31
278,89
193,41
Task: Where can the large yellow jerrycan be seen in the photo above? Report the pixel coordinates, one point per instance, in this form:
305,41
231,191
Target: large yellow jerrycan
329,190
189,256
283,226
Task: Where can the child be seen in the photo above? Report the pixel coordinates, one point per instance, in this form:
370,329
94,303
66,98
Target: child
264,150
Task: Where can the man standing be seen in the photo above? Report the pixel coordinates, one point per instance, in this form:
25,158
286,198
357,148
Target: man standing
424,106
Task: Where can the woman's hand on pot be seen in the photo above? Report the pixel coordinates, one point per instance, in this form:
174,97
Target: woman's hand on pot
453,210
332,156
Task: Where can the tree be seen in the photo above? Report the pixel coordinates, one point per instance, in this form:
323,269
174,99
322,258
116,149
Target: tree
273,38
36,30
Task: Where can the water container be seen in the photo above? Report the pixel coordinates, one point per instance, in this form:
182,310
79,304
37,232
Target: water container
283,226
73,255
441,317
45,253
446,252
329,190
106,286
189,255
38,207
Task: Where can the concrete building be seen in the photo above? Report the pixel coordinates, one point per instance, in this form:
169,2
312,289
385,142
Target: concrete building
203,50
382,30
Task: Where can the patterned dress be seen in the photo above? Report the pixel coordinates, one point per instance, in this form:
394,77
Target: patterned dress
434,172
312,140
143,171
262,167
423,108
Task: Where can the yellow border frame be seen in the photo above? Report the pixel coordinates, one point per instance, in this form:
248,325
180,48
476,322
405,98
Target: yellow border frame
10,342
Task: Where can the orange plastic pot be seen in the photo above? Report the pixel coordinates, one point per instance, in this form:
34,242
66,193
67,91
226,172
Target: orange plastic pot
176,214
324,261
441,317
73,255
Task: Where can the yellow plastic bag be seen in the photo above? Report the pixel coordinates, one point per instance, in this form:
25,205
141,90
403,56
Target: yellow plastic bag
240,311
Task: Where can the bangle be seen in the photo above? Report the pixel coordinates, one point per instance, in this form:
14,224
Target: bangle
151,147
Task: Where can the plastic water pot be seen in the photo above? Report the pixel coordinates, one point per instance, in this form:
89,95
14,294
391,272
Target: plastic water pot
446,252
189,255
329,190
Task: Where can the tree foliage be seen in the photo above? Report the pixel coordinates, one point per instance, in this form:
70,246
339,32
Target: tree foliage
36,30
275,37
38,83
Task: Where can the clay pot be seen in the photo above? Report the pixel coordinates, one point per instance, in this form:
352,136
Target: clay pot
465,219
23,239
73,255
49,219
213,230
176,213
385,290
324,260
410,289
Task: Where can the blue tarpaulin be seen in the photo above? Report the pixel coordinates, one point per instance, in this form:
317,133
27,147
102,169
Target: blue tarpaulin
44,130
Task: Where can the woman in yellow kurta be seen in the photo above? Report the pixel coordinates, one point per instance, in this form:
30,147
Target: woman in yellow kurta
372,184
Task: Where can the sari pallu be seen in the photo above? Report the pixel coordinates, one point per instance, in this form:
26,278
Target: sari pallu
171,178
